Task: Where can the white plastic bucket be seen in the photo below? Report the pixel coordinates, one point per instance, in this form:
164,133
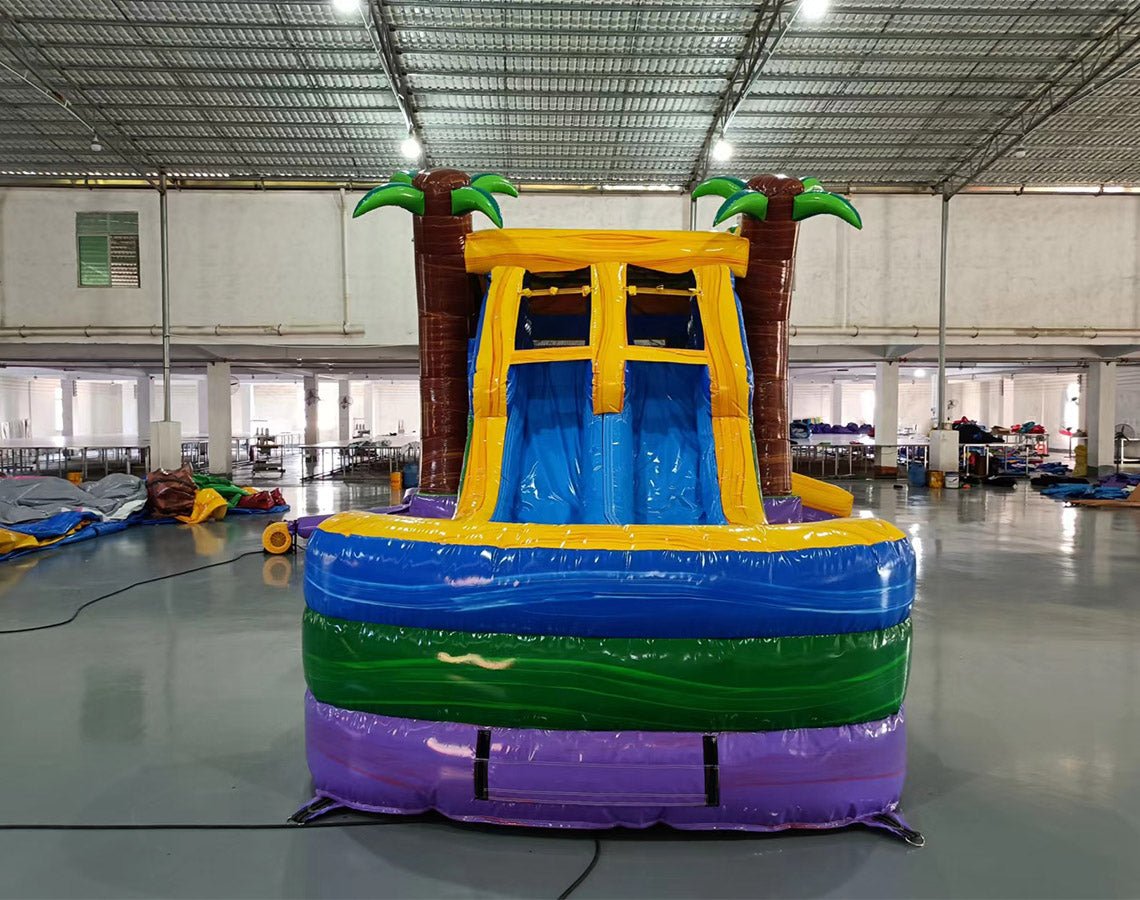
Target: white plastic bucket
953,481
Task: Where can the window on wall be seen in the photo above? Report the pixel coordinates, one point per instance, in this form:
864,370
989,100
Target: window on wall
107,249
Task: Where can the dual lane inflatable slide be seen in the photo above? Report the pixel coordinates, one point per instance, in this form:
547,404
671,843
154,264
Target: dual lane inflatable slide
608,624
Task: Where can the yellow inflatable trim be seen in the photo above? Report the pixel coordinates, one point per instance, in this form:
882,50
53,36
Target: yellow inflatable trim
749,538
829,498
208,504
561,250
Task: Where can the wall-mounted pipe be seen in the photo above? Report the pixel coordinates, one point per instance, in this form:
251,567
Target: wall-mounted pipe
344,216
970,331
61,331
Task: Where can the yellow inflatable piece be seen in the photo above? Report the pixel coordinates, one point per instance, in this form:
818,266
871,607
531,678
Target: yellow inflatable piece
828,498
208,504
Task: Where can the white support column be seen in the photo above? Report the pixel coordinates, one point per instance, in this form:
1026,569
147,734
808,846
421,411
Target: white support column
219,418
1100,412
142,407
1082,403
243,409
837,404
204,406
67,393
886,414
312,396
344,400
1006,407
985,403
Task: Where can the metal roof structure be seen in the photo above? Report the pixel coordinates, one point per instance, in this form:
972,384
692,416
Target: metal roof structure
934,94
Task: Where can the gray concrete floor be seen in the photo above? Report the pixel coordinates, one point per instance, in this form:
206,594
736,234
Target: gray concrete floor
179,703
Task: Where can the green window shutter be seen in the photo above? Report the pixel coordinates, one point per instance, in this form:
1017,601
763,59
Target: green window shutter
94,261
108,248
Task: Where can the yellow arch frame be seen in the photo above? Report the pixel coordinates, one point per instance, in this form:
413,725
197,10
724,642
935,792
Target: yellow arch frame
609,351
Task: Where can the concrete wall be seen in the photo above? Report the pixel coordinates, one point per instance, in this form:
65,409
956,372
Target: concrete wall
31,404
253,258
98,408
1128,398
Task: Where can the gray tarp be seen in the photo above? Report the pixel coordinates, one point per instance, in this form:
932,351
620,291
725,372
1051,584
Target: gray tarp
34,499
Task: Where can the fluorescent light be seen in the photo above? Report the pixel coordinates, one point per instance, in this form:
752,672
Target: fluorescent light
346,6
920,373
722,150
410,147
814,9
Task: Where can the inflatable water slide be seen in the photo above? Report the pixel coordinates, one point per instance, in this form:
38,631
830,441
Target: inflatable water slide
605,627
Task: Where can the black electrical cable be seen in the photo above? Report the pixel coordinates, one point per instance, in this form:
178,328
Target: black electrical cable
577,882
206,826
129,587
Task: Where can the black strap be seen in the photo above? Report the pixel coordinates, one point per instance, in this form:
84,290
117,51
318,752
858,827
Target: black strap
482,762
712,771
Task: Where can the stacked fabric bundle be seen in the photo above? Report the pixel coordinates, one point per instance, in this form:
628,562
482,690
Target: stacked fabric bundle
41,512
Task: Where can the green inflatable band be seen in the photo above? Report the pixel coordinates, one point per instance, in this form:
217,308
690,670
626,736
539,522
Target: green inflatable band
605,684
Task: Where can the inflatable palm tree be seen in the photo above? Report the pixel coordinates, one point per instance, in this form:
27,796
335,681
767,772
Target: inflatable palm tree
772,206
442,201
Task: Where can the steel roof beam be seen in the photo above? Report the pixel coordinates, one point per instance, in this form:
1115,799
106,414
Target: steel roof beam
183,24
1090,71
772,24
381,38
112,131
269,108
348,71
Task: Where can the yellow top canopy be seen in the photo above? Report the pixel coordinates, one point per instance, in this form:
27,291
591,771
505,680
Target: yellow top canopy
560,250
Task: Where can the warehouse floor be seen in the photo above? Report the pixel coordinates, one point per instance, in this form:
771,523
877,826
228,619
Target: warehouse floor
178,704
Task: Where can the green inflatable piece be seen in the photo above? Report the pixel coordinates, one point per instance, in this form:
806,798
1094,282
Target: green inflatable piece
230,492
750,203
606,684
817,203
721,186
392,194
493,184
473,199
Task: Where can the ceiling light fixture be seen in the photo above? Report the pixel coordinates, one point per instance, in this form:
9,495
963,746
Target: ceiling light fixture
411,148
814,9
1020,151
722,150
96,147
346,6
920,373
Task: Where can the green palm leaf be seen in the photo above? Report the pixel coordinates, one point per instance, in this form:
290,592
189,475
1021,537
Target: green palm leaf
473,199
811,184
721,186
493,184
750,203
821,203
403,177
394,194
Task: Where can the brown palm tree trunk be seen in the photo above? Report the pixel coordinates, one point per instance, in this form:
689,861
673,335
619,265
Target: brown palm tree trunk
444,297
765,299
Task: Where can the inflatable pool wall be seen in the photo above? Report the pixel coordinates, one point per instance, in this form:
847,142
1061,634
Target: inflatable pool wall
609,631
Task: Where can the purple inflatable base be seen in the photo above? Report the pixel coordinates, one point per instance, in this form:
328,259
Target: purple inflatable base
783,510
814,778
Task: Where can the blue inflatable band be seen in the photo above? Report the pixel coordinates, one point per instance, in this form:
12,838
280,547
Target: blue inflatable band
609,593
